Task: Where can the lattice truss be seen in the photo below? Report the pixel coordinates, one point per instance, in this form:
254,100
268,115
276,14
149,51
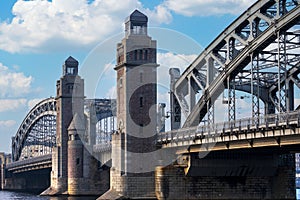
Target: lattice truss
103,112
41,138
37,134
259,53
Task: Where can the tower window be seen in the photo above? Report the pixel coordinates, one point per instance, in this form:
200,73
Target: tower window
141,102
71,70
135,54
77,161
135,29
70,88
139,30
141,54
146,55
121,82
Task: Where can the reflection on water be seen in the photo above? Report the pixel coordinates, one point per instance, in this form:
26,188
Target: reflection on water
6,195
71,198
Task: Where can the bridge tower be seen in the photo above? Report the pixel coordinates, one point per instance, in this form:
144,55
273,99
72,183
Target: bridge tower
69,101
136,110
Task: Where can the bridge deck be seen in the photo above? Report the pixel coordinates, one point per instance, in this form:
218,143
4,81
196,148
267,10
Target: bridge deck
279,129
40,162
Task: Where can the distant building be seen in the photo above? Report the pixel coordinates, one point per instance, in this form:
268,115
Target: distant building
4,159
297,170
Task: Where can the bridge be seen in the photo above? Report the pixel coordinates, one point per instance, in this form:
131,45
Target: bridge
272,130
32,146
257,56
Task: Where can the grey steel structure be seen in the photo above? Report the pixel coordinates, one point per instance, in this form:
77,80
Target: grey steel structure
105,112
38,130
257,54
37,134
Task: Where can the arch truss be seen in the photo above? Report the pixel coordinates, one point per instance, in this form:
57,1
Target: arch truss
259,53
103,112
37,134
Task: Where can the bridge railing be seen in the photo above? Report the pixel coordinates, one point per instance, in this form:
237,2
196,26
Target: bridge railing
103,147
30,161
217,129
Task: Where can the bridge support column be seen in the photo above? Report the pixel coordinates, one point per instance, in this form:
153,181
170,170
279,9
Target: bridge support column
69,101
84,177
58,183
133,147
249,176
127,183
75,160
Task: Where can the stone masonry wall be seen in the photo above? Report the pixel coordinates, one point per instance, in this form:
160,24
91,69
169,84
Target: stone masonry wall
172,183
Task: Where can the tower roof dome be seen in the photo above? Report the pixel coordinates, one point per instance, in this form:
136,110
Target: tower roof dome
71,61
137,16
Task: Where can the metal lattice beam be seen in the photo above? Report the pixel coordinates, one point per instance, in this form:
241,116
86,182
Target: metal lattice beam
258,49
37,134
43,112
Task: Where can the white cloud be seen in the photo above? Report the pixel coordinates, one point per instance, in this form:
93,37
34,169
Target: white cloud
297,103
59,25
7,124
221,113
166,61
31,103
13,84
161,14
112,93
11,104
7,129
14,104
208,7
170,60
181,61
109,69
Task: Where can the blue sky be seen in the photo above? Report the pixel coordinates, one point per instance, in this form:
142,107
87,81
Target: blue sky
37,36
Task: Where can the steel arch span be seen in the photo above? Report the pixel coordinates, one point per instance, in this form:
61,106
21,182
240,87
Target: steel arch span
259,53
37,133
104,112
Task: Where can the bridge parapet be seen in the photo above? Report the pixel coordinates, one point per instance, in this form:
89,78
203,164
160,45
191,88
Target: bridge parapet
278,129
104,147
40,162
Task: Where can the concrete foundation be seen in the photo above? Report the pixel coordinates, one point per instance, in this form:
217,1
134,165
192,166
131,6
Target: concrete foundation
31,181
273,181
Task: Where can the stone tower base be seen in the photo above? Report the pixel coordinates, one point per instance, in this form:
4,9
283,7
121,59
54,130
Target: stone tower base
131,187
266,176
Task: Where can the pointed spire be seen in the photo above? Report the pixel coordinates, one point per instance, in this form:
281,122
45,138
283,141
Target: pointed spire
136,24
71,62
137,16
76,123
70,67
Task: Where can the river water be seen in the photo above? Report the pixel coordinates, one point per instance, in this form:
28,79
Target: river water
7,195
